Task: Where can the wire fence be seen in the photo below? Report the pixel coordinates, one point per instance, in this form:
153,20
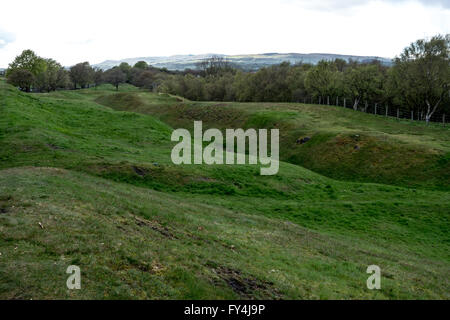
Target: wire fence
381,109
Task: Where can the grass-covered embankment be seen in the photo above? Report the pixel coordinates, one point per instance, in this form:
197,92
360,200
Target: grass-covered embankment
102,185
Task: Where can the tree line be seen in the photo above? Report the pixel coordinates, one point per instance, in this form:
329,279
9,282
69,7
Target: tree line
418,80
29,72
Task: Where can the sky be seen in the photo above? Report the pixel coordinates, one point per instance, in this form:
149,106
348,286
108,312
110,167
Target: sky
98,30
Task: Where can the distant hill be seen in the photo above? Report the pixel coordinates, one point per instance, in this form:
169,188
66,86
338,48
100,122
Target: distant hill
246,61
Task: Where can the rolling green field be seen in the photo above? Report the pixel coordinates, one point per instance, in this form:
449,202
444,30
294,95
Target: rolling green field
86,179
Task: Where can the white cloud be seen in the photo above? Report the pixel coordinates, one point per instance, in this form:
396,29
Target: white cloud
5,38
98,30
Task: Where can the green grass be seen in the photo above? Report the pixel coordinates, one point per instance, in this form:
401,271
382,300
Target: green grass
102,184
398,152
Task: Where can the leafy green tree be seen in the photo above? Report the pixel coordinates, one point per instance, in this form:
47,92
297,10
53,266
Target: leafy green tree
126,69
98,76
323,80
364,82
63,79
219,88
47,79
420,77
81,74
296,82
340,64
27,60
115,76
241,85
146,79
141,65
21,78
42,74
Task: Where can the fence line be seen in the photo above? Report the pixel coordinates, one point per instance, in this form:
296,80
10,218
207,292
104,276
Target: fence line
380,109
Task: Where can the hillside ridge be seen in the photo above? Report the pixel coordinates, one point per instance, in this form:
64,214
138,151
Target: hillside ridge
244,61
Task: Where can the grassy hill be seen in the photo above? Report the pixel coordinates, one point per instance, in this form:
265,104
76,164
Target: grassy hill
344,145
84,183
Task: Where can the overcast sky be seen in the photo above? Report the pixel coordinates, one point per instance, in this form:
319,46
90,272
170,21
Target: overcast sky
94,30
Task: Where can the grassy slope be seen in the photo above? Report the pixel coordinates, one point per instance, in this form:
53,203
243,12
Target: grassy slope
140,227
396,152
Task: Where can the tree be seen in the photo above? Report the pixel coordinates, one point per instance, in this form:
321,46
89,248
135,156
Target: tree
364,82
296,81
214,66
141,65
41,74
146,79
81,74
126,68
134,74
47,79
63,79
98,76
115,76
21,78
24,70
340,64
322,80
420,77
27,60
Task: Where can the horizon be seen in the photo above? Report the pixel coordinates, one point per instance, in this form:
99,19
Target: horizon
226,55
244,54
152,29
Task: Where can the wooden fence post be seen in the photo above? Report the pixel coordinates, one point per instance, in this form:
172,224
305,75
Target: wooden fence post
386,110
345,103
398,113
337,101
412,115
328,100
443,119
376,108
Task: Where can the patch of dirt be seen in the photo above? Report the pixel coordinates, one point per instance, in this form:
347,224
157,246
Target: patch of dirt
246,287
140,171
204,179
54,146
214,115
156,226
303,140
5,204
27,148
